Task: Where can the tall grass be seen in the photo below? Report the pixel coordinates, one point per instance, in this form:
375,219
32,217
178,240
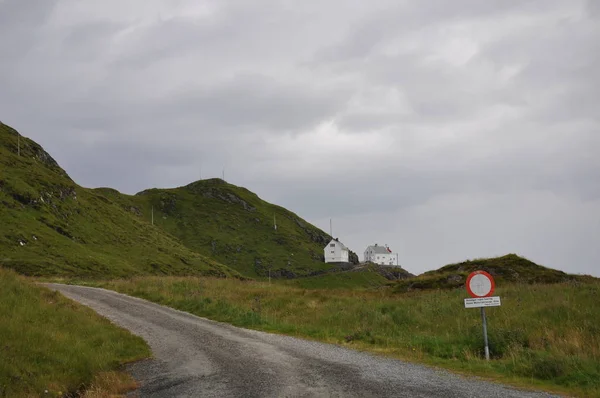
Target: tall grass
363,279
542,335
50,346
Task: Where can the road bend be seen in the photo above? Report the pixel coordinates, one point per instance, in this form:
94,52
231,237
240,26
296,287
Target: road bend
197,357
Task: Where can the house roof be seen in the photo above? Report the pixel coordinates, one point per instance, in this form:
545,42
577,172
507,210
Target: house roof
337,241
378,249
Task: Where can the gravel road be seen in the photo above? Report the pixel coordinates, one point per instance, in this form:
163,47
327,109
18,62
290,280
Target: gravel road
196,357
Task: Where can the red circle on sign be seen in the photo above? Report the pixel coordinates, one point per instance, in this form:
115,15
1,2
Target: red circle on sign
480,274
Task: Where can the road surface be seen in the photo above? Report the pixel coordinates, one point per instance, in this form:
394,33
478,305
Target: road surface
196,357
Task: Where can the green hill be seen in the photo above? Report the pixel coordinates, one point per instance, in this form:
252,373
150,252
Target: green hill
509,268
233,226
50,226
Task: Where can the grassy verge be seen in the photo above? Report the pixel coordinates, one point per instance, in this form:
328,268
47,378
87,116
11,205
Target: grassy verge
50,346
543,336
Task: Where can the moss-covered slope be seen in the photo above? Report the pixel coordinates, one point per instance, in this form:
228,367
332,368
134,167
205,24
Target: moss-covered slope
233,226
51,226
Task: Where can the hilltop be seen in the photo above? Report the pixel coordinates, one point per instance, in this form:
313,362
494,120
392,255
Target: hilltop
510,268
52,226
234,226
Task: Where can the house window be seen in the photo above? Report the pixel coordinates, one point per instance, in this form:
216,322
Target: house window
332,245
333,252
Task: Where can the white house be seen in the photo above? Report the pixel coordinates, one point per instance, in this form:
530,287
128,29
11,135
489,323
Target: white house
380,255
336,252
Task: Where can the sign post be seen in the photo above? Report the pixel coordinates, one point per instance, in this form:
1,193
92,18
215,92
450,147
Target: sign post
485,338
481,286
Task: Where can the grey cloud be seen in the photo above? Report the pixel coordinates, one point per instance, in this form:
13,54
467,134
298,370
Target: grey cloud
86,43
593,8
395,19
537,226
364,121
571,170
443,92
245,102
258,101
250,88
129,166
19,24
171,38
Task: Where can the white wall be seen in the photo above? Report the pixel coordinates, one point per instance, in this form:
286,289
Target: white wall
382,259
334,253
385,259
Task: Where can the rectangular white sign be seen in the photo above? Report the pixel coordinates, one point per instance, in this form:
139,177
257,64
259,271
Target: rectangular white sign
482,302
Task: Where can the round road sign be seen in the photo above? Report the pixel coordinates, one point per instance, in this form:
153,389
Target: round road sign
480,284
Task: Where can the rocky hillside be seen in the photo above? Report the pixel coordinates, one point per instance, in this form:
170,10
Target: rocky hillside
51,226
233,226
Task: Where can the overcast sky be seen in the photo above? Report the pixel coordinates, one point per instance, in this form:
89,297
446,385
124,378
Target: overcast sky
449,130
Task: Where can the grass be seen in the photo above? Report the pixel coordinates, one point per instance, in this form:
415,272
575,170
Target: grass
233,226
510,268
53,227
110,385
51,346
361,279
543,336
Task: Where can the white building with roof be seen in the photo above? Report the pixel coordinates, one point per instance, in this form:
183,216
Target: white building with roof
336,252
381,255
